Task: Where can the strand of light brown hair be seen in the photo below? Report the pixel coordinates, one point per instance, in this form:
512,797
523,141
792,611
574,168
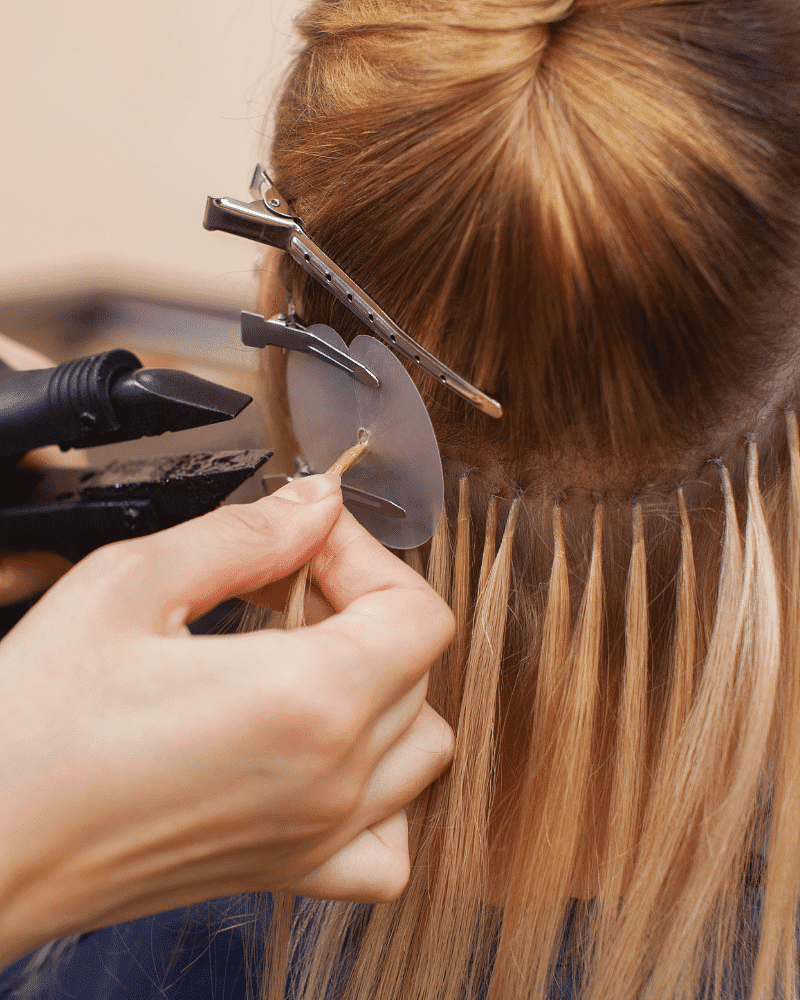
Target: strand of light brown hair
295,616
778,954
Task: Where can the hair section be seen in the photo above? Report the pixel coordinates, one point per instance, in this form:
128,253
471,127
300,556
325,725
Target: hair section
588,209
623,780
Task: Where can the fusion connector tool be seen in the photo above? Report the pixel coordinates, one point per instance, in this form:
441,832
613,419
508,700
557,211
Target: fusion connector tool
269,219
98,400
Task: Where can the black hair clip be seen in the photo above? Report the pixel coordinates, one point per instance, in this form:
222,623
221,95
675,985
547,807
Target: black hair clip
269,219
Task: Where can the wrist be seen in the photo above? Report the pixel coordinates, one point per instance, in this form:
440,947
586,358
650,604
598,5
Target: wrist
25,917
39,900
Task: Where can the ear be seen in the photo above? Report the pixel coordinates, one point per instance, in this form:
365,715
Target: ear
271,295
272,298
282,438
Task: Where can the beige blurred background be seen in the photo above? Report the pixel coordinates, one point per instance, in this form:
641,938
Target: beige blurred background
117,120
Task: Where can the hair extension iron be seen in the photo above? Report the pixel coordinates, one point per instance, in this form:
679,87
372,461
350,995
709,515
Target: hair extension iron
269,219
98,400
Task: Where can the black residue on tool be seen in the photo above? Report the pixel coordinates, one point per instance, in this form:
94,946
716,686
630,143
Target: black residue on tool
74,511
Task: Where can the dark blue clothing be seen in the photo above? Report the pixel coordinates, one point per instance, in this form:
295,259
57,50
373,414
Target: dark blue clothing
194,954
201,953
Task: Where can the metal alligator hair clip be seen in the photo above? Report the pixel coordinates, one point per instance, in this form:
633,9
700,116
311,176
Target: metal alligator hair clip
269,219
352,496
284,331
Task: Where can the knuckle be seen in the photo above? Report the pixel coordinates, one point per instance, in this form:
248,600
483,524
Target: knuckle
448,742
120,561
328,736
393,879
341,802
438,732
437,616
433,745
337,797
391,888
443,619
339,728
331,723
236,520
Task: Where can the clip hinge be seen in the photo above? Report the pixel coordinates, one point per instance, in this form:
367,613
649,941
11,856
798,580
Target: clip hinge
262,189
254,221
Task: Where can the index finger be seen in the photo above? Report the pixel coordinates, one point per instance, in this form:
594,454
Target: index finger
390,625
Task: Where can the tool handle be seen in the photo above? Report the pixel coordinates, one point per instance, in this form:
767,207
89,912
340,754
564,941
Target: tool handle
68,405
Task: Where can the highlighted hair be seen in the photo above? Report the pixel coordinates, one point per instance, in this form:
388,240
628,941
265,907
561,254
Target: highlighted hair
619,837
588,209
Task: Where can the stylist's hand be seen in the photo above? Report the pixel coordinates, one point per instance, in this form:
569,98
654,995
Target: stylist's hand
142,768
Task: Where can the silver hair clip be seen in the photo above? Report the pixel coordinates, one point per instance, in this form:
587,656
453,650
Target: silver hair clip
287,332
351,495
269,219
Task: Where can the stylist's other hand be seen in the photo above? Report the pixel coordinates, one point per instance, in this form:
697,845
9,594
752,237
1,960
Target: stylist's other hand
26,574
143,768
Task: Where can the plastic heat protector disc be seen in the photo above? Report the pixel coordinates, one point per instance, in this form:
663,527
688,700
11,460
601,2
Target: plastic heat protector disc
329,408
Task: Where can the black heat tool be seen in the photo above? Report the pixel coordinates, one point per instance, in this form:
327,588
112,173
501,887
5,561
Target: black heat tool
106,398
74,511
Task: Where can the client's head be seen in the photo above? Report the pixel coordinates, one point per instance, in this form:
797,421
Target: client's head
589,210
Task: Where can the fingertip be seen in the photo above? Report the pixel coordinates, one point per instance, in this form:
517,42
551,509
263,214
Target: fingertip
373,868
311,489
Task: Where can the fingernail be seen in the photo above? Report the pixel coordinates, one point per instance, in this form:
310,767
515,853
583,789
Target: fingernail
310,489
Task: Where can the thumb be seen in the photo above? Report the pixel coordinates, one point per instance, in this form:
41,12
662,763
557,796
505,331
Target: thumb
372,868
164,579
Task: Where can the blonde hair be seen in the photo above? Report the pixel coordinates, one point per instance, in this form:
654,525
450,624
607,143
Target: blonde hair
588,209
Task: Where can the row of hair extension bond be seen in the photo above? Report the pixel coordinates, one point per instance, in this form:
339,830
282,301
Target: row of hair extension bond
700,769
684,788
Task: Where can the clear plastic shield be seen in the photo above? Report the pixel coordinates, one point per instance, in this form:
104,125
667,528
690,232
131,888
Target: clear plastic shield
403,464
